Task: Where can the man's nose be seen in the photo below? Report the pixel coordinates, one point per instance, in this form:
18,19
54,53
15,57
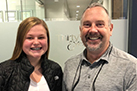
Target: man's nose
93,29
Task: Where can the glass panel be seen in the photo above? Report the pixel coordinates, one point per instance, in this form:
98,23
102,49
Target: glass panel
2,9
28,9
67,37
24,14
11,16
40,9
1,16
64,34
18,10
59,10
56,10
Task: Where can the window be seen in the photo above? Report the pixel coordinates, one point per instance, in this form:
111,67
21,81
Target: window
25,14
11,16
1,16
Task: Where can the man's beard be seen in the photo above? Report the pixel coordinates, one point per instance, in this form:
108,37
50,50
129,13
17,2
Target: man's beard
93,47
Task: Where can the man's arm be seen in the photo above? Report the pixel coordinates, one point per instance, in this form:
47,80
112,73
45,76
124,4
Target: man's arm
131,78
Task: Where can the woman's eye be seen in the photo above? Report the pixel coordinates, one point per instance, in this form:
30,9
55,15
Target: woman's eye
41,37
29,38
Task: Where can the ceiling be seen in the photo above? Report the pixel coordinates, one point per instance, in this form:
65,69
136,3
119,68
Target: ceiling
66,8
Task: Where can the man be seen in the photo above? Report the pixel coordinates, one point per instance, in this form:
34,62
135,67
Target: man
101,66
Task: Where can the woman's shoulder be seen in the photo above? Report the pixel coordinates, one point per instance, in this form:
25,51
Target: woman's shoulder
54,63
7,67
51,64
8,64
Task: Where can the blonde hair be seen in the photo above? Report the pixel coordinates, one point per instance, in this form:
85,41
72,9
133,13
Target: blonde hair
23,29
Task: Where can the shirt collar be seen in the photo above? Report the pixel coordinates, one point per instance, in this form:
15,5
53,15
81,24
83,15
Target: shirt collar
106,55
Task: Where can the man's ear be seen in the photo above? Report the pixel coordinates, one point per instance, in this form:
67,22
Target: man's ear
111,29
80,30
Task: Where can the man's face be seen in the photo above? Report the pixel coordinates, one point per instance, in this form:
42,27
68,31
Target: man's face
95,29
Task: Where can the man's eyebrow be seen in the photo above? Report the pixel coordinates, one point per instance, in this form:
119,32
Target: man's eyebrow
86,21
100,21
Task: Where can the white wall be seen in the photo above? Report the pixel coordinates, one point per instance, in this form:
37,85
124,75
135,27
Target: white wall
64,35
7,38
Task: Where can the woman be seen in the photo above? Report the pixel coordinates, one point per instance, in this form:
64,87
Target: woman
29,68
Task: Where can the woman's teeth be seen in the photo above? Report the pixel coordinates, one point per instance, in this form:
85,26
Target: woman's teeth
36,48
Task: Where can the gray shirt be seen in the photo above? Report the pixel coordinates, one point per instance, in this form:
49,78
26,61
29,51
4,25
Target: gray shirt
115,70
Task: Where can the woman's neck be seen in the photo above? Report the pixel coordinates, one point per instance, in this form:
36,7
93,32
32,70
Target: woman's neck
36,62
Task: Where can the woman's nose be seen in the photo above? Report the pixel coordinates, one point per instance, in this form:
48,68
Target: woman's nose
36,41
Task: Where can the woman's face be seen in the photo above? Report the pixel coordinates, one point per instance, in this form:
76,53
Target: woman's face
35,43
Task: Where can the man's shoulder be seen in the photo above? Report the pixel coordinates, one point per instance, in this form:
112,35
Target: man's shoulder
74,58
73,61
123,55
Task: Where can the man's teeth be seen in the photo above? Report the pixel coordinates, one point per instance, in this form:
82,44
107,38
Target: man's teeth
94,38
36,48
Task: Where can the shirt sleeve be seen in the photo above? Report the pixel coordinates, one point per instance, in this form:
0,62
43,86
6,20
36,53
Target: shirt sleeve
131,78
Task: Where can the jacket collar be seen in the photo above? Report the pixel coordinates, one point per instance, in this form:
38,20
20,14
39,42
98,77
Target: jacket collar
25,67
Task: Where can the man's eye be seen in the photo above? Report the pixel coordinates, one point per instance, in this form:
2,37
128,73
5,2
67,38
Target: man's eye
100,25
87,25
